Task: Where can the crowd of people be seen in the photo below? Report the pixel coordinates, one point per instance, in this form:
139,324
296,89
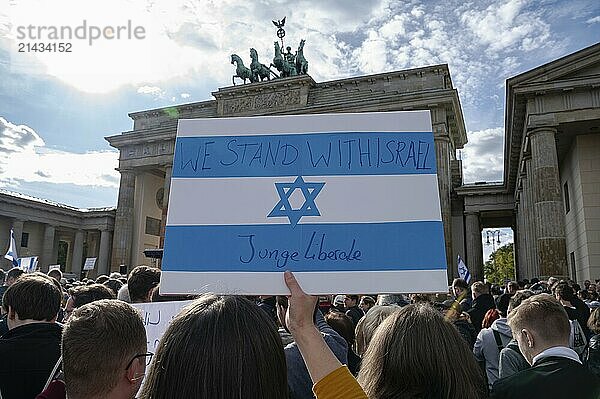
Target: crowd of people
82,340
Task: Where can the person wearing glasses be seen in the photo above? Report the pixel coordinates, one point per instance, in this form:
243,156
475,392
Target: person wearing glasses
104,351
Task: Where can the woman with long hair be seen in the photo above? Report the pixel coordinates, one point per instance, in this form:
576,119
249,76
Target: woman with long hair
218,347
415,353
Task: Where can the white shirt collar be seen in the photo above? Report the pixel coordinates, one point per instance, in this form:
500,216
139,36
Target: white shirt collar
559,351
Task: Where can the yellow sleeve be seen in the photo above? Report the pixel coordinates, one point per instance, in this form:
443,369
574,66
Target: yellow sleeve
339,384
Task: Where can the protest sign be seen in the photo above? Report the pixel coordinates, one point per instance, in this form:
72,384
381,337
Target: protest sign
157,316
349,202
53,267
89,264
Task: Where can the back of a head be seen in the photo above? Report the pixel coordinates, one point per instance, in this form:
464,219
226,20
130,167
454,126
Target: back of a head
33,297
55,273
460,283
114,285
564,291
480,288
141,281
89,293
13,274
219,347
342,324
98,342
543,315
594,321
428,353
518,298
367,325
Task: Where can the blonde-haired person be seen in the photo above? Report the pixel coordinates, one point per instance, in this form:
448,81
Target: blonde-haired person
541,327
416,353
592,354
367,325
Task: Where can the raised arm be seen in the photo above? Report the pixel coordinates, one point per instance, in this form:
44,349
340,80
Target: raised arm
331,379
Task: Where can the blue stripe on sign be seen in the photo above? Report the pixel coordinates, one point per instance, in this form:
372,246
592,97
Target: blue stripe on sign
318,154
306,247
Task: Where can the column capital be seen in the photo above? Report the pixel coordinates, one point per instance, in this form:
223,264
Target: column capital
531,131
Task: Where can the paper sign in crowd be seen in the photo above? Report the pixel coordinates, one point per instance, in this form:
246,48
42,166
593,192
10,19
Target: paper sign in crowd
349,202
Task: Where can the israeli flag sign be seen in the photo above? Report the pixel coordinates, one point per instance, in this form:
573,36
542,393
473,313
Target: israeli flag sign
348,202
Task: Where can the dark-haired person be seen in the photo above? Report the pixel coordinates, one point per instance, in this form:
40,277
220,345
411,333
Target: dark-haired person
576,309
114,285
460,290
366,303
104,351
299,379
512,287
140,283
511,360
491,340
11,276
482,302
352,310
416,353
342,324
85,294
31,347
218,347
541,327
56,274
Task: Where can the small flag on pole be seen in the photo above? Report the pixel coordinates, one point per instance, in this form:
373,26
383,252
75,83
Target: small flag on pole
463,272
11,254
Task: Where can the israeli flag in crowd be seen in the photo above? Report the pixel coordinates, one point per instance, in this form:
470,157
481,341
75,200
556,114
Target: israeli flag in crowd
11,254
349,202
463,271
29,264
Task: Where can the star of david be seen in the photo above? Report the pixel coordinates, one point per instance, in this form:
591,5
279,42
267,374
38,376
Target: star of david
309,208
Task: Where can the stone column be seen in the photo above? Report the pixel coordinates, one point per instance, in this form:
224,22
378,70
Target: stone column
123,237
17,227
77,260
443,147
103,256
474,246
167,188
548,203
47,257
530,222
518,242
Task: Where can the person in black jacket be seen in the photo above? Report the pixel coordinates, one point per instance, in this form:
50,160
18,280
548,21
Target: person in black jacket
31,347
352,310
482,302
541,328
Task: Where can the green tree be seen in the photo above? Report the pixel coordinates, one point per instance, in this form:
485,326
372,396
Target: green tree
501,266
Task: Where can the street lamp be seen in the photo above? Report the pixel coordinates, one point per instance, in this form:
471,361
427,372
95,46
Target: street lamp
495,238
495,234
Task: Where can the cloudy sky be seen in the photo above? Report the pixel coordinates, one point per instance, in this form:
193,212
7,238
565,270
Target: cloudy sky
56,108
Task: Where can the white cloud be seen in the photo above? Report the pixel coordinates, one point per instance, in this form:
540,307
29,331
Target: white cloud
594,20
507,25
26,158
185,95
483,156
151,90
